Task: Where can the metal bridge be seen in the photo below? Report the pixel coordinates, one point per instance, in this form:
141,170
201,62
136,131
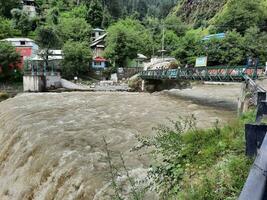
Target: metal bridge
217,73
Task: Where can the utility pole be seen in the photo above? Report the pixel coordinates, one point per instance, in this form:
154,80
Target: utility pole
163,42
162,51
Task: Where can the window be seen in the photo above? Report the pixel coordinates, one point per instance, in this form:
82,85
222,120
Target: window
22,42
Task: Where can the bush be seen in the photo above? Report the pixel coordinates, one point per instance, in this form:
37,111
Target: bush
3,96
77,59
200,164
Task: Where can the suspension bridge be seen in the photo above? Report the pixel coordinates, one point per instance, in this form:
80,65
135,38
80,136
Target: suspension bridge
217,73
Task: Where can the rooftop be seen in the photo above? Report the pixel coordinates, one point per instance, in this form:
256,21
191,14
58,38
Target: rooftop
18,40
98,30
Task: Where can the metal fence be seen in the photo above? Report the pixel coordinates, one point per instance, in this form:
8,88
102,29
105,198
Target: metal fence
256,145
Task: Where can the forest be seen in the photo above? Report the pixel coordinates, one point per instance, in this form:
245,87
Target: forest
137,26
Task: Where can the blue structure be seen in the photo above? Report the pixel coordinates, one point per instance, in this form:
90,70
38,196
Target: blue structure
214,36
99,63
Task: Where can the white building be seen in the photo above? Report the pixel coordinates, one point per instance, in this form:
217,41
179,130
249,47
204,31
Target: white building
29,6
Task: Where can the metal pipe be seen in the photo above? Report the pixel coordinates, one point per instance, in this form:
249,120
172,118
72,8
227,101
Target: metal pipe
255,185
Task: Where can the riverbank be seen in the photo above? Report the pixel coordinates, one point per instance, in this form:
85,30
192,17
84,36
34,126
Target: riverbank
9,90
203,164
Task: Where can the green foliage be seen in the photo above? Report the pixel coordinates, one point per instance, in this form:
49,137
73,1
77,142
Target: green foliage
3,96
188,48
75,29
9,58
22,21
198,13
175,24
7,6
95,13
199,164
125,39
76,12
47,37
6,28
77,59
241,15
228,51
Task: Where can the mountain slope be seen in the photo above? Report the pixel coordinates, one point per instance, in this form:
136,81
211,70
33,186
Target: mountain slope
198,12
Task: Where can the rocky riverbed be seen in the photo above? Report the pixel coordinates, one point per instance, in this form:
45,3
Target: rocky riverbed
52,143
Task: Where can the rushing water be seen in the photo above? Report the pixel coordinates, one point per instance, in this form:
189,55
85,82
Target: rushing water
52,144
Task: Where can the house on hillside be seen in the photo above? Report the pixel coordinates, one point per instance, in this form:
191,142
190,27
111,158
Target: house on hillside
30,7
25,47
98,48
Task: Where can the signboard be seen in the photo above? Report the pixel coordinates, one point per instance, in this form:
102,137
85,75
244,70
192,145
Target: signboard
202,61
214,36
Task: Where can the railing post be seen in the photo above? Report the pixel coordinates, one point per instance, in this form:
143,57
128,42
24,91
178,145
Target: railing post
254,138
261,111
261,96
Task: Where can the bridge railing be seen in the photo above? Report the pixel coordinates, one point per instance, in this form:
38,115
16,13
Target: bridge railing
218,73
256,145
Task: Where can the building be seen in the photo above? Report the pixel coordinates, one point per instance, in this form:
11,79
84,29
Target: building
98,48
97,32
30,7
99,63
25,47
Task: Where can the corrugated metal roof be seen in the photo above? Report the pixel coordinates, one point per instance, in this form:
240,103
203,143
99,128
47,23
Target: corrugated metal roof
18,40
99,39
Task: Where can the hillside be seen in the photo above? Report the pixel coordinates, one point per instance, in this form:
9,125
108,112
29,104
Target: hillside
198,12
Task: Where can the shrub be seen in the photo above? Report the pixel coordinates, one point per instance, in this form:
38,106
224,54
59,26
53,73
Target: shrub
199,164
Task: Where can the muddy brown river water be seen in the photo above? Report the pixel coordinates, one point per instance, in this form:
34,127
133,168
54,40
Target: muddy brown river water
52,144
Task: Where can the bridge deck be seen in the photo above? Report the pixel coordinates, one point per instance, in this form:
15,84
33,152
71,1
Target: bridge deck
222,74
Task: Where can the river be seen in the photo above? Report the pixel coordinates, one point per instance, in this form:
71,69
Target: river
52,143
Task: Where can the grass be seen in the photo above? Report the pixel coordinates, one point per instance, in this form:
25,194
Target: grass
200,164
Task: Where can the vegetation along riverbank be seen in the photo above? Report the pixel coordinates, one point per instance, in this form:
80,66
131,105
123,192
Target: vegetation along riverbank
199,164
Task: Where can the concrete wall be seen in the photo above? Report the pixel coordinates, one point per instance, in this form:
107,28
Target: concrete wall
33,83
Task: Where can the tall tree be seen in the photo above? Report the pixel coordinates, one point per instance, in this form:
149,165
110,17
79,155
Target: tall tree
75,29
9,58
7,5
23,22
95,14
77,59
241,15
125,39
47,38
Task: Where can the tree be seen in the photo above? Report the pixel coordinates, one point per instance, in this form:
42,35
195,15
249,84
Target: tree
175,24
125,39
9,58
75,29
240,15
255,42
188,48
77,59
47,38
95,14
7,5
228,51
23,22
6,28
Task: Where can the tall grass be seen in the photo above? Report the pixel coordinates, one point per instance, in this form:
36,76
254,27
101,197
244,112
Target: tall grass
200,164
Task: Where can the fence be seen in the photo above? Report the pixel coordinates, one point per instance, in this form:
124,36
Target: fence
256,145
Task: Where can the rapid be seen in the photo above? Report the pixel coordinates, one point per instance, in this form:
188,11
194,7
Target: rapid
52,143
